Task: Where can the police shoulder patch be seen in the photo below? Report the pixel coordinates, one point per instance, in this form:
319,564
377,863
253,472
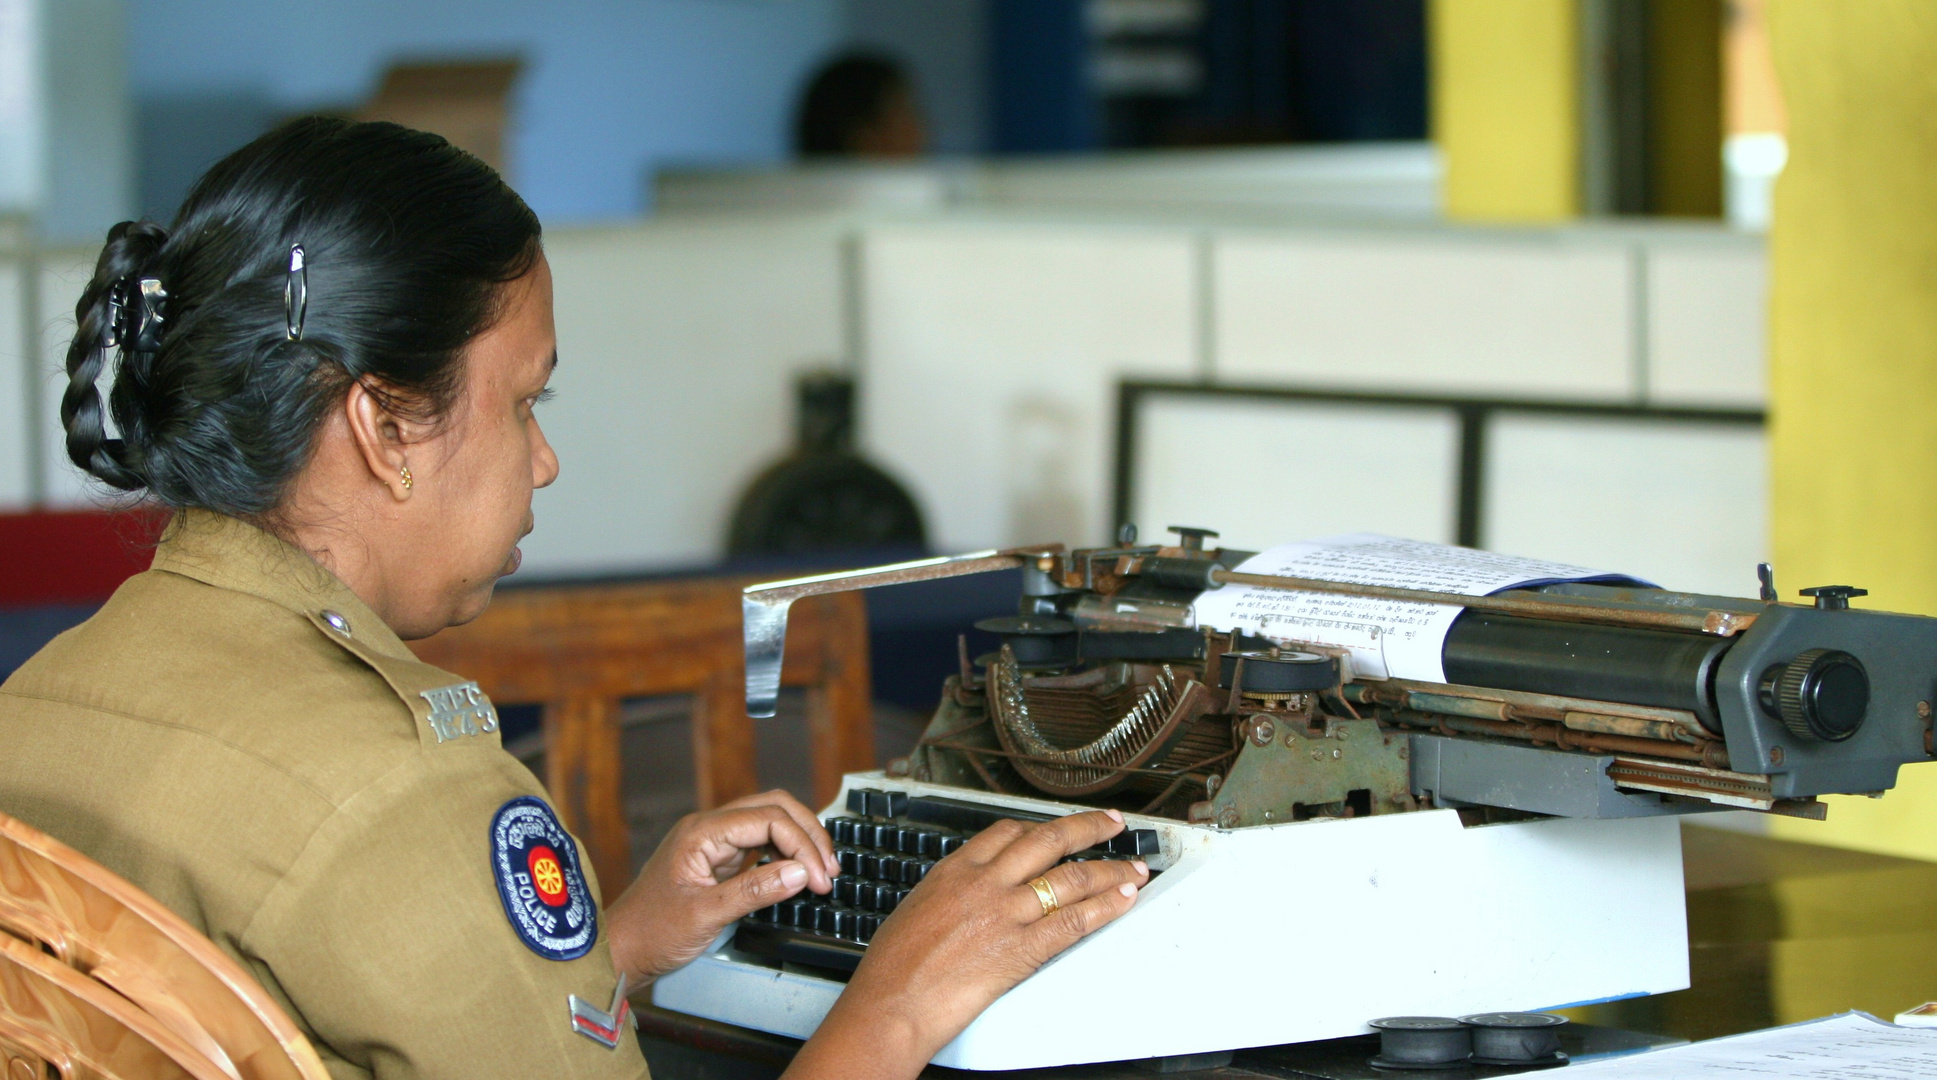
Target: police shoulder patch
544,893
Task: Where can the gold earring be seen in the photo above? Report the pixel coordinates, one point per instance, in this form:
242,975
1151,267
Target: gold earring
405,473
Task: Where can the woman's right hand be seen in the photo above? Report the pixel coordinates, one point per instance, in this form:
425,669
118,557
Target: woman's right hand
971,930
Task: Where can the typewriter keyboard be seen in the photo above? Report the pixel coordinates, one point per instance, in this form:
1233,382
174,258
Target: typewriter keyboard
886,843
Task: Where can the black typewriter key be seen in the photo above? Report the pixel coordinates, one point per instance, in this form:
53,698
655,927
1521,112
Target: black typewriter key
843,829
850,860
766,914
844,889
950,843
869,924
886,804
1134,842
931,844
845,922
792,911
857,801
890,869
837,922
870,865
911,840
913,870
885,899
824,919
864,894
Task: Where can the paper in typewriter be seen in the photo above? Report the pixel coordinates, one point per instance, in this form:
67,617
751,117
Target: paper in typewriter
1394,639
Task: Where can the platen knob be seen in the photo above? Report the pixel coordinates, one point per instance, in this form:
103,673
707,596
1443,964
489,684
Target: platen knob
1821,694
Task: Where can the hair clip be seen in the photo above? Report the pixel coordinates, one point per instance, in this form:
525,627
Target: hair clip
153,296
295,294
135,315
118,328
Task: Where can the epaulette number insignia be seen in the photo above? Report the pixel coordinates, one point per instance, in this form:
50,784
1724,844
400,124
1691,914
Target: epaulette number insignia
544,894
459,710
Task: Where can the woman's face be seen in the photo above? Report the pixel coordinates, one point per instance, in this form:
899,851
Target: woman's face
472,481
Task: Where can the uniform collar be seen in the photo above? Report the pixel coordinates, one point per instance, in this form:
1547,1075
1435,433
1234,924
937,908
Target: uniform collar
229,553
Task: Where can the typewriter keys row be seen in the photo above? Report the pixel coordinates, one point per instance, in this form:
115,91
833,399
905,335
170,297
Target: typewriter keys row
833,919
890,836
886,845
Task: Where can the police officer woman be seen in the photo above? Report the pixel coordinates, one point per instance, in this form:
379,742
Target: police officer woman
328,367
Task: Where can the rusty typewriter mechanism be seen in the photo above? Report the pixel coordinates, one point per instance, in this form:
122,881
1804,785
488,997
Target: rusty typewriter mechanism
1568,700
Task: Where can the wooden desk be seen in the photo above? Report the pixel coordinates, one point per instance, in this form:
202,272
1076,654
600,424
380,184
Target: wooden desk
582,650
1778,932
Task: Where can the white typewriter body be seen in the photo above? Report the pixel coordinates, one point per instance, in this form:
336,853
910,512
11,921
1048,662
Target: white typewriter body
1288,933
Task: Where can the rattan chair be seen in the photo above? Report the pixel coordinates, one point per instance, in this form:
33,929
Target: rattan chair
99,979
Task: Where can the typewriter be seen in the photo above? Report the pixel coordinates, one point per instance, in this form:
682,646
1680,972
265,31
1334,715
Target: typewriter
1363,788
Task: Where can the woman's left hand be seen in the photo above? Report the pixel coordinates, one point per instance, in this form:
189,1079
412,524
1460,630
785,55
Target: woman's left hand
700,881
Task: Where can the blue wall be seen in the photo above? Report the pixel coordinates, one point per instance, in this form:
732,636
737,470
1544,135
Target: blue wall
612,88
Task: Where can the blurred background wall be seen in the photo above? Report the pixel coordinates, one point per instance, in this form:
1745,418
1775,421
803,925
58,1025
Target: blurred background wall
609,92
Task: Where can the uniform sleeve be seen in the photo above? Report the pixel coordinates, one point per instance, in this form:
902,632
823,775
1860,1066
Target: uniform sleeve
393,940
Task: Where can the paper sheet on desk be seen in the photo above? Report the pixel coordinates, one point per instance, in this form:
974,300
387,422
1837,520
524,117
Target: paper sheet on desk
1853,1046
1388,638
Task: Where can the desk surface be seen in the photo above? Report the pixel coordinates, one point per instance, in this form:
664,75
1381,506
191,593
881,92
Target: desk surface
1778,932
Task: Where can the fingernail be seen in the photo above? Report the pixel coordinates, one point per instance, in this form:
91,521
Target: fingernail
1115,815
1142,867
793,875
1127,889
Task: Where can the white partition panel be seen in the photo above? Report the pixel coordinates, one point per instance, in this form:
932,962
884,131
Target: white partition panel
16,434
1265,472
992,358
677,350
1684,505
1708,318
64,272
1541,315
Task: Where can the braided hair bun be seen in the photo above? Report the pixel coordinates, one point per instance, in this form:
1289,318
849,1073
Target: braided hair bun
217,394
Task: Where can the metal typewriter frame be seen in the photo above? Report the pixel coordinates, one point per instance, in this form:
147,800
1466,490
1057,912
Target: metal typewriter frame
1488,750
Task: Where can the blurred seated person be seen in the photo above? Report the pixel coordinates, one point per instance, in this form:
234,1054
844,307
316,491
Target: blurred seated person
860,106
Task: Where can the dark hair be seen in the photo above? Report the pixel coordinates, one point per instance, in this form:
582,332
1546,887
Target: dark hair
407,241
844,97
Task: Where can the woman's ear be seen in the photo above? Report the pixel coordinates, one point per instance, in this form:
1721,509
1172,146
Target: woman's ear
383,438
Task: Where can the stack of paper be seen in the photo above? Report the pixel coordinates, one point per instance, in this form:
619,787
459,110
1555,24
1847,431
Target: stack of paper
1852,1046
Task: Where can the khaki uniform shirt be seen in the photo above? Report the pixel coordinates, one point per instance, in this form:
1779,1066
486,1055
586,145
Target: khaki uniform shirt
239,736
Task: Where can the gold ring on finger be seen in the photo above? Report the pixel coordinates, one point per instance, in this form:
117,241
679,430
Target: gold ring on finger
1046,893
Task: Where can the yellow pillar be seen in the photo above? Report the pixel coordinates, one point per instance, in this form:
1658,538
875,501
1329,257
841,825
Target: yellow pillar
1506,107
1853,333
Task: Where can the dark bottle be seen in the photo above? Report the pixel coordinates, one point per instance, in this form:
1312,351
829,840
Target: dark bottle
824,496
